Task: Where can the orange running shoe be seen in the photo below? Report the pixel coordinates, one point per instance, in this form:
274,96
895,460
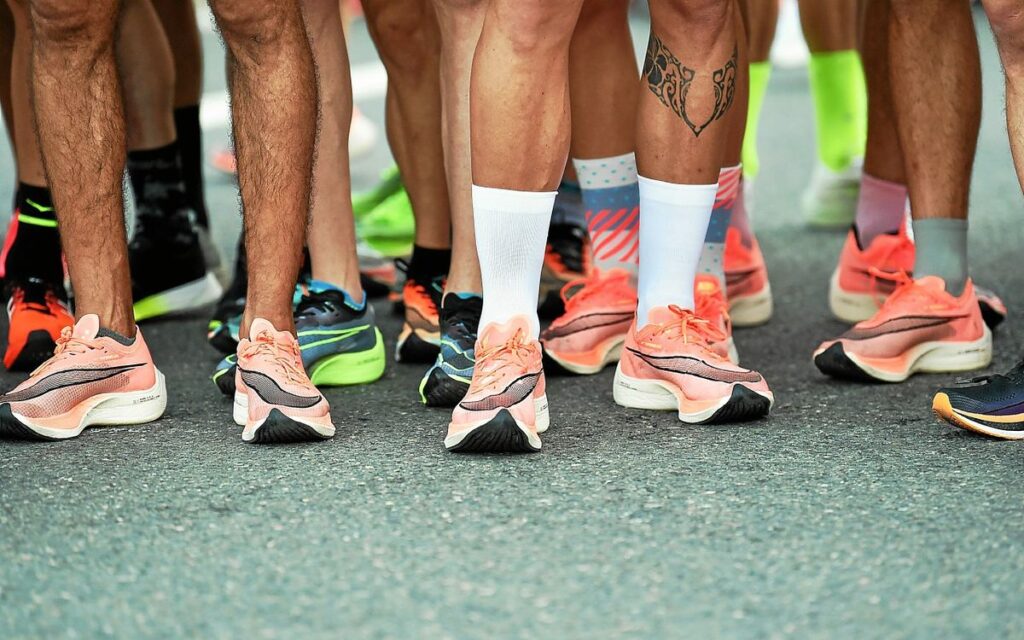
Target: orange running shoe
856,291
274,399
505,407
598,312
669,365
920,327
746,282
420,338
567,257
37,313
711,306
224,160
92,379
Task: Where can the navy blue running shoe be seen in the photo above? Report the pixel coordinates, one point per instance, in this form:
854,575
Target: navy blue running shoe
447,381
990,405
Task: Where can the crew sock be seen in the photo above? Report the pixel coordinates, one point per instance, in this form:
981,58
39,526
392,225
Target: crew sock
941,250
157,182
427,265
611,198
881,208
32,247
840,107
760,72
712,258
190,148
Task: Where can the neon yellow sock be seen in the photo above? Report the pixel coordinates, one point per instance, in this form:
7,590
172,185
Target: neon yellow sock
840,107
759,74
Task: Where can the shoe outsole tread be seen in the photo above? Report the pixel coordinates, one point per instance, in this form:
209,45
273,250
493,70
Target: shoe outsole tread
12,429
280,429
834,362
500,435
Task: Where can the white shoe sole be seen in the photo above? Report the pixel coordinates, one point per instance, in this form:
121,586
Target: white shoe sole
613,353
848,306
752,310
250,433
182,299
107,409
658,395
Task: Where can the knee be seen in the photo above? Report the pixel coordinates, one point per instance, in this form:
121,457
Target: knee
249,27
535,26
597,13
695,16
405,34
1007,20
73,24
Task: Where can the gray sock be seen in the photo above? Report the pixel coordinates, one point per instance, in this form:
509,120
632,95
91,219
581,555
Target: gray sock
115,336
942,251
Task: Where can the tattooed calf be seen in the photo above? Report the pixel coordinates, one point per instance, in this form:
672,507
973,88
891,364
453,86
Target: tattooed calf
670,80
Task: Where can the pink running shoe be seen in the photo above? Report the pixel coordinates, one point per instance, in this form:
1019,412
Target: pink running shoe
669,365
856,291
746,282
92,379
920,327
505,407
711,306
589,335
274,399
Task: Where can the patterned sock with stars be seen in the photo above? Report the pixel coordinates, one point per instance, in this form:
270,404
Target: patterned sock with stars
712,258
611,197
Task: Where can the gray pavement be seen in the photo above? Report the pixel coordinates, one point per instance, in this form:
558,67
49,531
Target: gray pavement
849,513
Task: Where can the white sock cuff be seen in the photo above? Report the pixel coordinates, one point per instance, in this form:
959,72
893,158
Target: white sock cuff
518,202
603,173
678,194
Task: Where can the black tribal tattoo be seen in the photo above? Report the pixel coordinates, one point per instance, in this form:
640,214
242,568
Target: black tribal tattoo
670,80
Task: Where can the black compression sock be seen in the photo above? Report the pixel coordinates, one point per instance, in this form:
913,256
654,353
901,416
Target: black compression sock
157,182
35,249
429,264
190,145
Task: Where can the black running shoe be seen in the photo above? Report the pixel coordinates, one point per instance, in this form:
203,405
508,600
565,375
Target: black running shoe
990,405
566,258
168,267
446,383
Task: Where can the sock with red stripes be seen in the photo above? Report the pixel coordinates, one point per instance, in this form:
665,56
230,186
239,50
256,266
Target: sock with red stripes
611,198
712,259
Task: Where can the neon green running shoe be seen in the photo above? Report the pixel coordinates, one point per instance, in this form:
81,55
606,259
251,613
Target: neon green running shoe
390,184
390,225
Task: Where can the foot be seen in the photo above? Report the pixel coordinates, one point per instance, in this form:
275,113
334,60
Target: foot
420,339
710,305
92,379
919,327
598,312
505,408
168,269
447,381
669,365
830,200
746,282
274,398
566,258
990,405
37,313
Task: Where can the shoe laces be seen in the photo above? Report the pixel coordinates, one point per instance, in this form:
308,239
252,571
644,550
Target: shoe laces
68,346
892,253
905,289
708,307
577,291
689,328
283,353
514,351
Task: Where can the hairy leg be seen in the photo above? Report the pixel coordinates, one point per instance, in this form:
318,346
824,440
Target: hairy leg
146,69
81,134
332,234
6,60
26,145
935,75
405,32
1007,20
520,115
460,23
273,105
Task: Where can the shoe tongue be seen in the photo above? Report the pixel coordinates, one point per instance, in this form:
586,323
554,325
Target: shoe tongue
931,282
87,327
707,285
661,315
495,333
260,325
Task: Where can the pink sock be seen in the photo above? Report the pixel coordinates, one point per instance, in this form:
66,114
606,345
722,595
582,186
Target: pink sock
740,219
880,208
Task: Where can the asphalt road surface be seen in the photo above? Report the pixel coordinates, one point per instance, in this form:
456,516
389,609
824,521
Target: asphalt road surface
850,512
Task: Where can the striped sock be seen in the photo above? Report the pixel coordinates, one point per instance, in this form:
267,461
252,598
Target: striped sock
611,198
712,258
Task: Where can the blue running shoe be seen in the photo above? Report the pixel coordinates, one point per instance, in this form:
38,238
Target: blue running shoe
989,405
339,340
446,383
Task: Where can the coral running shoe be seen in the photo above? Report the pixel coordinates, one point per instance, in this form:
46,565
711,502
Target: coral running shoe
920,327
274,399
506,406
37,312
95,377
669,365
856,290
746,282
989,405
447,382
420,338
598,312
711,306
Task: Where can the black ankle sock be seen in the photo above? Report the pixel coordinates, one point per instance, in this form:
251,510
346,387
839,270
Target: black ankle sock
157,181
429,264
190,145
35,251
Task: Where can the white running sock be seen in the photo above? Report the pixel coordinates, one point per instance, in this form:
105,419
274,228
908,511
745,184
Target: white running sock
511,234
673,223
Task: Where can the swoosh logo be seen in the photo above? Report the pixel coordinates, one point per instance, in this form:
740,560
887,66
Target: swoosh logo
270,392
686,365
514,393
898,325
65,379
591,321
